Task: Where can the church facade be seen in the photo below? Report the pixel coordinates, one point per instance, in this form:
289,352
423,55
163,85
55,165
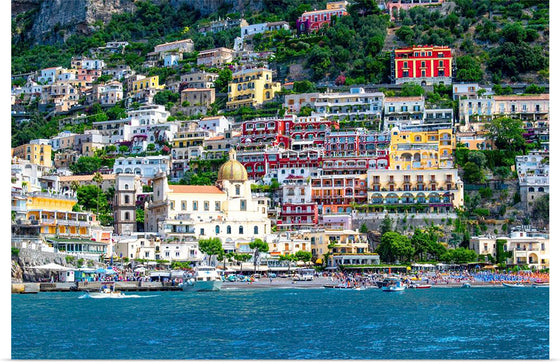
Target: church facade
227,210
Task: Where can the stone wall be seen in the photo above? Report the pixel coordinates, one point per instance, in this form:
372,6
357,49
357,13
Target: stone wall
27,258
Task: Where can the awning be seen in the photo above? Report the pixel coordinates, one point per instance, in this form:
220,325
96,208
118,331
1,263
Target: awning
52,266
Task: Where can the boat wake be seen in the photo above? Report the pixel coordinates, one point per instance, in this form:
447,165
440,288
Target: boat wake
118,297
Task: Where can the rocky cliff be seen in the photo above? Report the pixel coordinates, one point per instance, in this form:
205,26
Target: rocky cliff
55,20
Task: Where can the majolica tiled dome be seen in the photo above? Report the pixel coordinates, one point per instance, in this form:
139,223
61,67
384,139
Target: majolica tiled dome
232,170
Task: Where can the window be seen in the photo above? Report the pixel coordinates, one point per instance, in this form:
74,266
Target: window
195,205
256,230
183,205
243,205
217,206
217,229
228,229
240,230
201,231
127,216
206,206
126,199
237,189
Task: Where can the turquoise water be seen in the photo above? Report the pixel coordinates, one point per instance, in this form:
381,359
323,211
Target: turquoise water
438,323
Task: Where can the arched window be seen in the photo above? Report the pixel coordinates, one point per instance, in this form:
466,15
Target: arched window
126,199
127,216
256,230
228,230
217,229
126,186
241,230
237,189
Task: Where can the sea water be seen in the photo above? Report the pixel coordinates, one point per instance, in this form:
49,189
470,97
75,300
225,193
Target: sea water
436,323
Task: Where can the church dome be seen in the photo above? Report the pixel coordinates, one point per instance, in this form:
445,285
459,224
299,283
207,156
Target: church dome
232,170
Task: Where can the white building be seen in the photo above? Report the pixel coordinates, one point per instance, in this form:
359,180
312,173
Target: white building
215,124
48,75
93,64
532,171
146,167
171,60
227,211
529,248
150,114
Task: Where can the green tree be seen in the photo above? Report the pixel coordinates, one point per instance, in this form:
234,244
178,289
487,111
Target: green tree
459,256
289,258
534,89
98,179
364,228
409,89
241,258
395,246
210,247
472,173
91,197
305,86
224,77
541,208
386,225
259,247
303,256
86,165
507,134
166,96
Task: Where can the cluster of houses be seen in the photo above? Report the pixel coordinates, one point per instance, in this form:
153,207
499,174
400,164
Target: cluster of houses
357,155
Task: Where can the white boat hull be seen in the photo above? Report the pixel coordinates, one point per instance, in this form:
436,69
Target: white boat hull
202,286
105,295
393,289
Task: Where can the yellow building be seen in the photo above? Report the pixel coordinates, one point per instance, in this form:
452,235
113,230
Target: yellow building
428,190
55,216
34,153
412,150
251,87
146,83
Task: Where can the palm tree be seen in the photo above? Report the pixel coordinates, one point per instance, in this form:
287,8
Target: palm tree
74,185
98,179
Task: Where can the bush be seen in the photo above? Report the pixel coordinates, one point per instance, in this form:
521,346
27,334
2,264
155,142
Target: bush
15,252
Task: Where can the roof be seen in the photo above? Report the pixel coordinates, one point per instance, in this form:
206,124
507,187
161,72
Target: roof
522,97
404,98
88,177
218,137
323,11
197,89
194,189
176,42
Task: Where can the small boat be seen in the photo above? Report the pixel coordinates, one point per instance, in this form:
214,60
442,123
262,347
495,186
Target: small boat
540,285
466,285
206,278
393,285
106,292
514,285
420,286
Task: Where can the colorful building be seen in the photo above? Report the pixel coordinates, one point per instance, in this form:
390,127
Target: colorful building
146,83
424,65
311,21
251,87
35,153
412,150
429,190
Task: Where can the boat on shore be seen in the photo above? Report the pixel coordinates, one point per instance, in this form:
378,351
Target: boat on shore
420,286
540,285
466,285
205,278
514,285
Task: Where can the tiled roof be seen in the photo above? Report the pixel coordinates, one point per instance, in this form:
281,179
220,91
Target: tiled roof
87,177
404,98
194,189
522,97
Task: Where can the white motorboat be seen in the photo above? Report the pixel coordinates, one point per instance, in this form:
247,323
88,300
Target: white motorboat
393,285
106,293
514,285
205,279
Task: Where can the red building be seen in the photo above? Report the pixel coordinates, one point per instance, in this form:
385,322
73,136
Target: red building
424,65
259,163
260,133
